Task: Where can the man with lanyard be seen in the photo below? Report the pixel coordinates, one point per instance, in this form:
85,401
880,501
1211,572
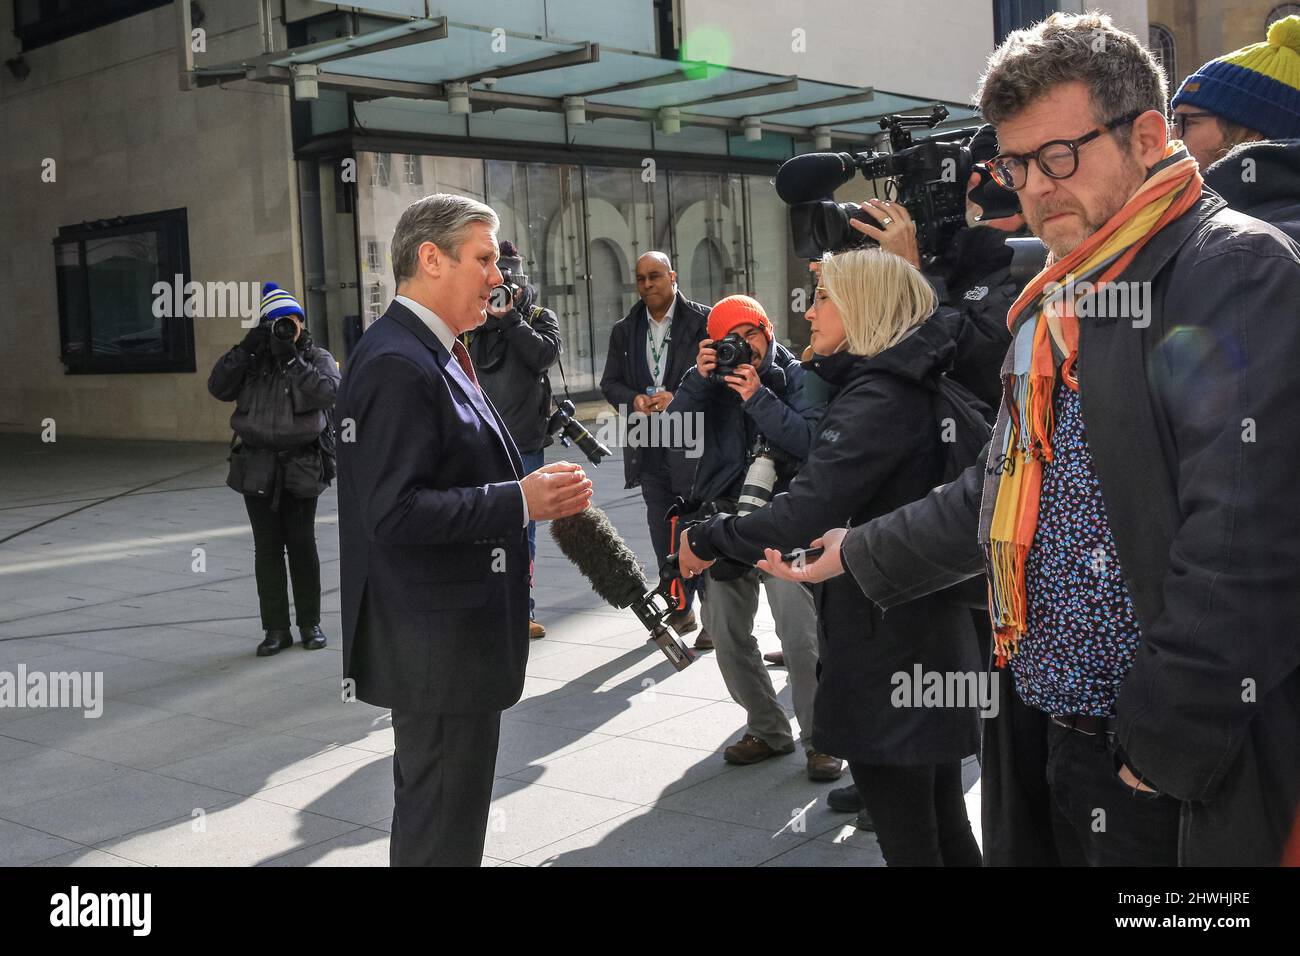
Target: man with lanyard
650,349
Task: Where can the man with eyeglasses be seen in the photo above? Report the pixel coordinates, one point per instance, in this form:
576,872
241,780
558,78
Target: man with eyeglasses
1239,115
1136,516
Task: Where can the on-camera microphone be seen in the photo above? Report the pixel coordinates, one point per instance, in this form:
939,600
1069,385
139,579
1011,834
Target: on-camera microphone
591,542
814,176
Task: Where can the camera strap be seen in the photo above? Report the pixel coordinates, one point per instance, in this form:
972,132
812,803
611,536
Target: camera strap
535,312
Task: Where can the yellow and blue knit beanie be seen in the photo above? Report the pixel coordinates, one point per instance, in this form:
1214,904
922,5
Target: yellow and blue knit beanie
1257,87
277,302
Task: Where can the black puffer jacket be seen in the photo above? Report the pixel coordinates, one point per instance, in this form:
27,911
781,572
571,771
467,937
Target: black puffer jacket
511,355
876,448
281,411
1262,180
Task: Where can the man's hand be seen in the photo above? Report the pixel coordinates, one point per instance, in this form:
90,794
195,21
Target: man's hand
642,404
706,359
687,562
556,491
1130,779
744,381
829,565
660,400
897,235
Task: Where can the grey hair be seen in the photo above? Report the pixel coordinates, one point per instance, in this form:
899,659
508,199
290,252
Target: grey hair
1121,74
659,257
442,219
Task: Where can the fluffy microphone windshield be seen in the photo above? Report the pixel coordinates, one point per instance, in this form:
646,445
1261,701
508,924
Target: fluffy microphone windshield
590,540
813,176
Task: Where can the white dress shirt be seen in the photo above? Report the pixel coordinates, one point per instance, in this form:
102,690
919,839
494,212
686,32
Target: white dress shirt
659,332
447,338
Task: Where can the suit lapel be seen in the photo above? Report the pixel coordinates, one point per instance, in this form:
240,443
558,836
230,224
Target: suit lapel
452,370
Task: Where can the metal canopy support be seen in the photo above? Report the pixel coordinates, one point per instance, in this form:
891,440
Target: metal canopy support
788,85
863,96
323,51
587,53
677,76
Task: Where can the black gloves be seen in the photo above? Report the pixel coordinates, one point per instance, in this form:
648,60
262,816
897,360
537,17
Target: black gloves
256,339
282,350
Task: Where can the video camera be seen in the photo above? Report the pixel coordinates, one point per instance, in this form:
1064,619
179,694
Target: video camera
928,178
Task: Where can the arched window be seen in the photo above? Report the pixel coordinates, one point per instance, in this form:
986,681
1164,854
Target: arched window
1161,43
1280,11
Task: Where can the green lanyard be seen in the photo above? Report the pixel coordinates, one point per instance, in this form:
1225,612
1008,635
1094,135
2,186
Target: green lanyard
656,353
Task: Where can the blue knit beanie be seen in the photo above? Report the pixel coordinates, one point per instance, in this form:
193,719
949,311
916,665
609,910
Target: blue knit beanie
277,302
1257,87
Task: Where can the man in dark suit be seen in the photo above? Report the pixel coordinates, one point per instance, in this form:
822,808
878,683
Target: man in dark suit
433,515
650,349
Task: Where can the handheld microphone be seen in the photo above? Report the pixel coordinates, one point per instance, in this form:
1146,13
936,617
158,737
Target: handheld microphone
591,542
814,176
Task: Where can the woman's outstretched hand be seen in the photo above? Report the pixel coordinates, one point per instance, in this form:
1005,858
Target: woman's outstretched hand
827,565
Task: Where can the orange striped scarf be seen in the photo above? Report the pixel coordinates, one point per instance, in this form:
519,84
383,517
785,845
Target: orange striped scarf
1170,190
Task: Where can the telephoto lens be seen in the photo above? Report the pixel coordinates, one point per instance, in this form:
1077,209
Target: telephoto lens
284,328
760,479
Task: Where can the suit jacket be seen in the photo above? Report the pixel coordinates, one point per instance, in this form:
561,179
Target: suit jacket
627,375
433,549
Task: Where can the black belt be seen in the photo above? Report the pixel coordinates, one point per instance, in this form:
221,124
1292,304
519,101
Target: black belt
1084,723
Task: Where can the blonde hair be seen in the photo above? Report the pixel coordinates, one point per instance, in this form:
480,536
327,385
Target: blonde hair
880,297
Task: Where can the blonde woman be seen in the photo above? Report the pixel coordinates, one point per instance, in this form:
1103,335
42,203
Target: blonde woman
878,447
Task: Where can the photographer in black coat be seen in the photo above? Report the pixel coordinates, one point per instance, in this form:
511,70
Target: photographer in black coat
512,350
281,458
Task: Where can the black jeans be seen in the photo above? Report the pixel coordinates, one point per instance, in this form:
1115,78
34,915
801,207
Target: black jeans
1098,819
919,813
293,527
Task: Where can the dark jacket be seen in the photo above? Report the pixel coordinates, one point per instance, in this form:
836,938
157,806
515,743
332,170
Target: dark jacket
1262,180
974,284
1188,423
511,355
432,545
779,411
281,411
877,447
627,376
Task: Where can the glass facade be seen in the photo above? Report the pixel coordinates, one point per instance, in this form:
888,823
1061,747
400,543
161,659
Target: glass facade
580,230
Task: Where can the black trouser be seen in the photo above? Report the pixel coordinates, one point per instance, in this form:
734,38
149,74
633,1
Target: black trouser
657,490
293,527
443,766
919,813
1098,819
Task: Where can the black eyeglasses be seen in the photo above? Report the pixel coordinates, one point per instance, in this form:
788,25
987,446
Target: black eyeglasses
1178,122
1058,159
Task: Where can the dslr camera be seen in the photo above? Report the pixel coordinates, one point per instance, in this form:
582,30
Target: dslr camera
513,278
928,178
732,351
569,431
285,328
